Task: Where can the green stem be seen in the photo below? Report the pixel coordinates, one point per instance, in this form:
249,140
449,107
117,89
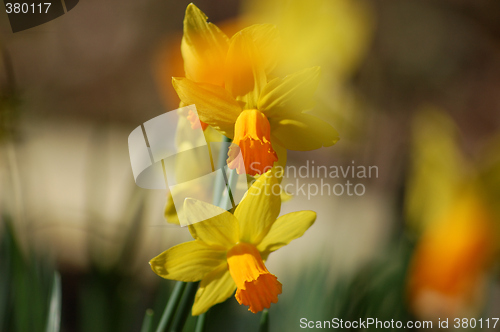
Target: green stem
218,199
232,180
54,317
173,301
147,322
190,290
200,323
264,321
219,183
184,307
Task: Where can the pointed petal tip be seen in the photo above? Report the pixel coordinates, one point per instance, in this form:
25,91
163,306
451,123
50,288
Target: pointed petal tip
192,9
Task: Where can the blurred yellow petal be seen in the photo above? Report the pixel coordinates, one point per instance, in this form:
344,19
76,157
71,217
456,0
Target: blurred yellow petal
248,59
489,175
204,47
304,132
294,93
170,213
259,208
281,152
285,196
268,40
332,34
214,104
189,261
216,287
211,224
437,170
287,228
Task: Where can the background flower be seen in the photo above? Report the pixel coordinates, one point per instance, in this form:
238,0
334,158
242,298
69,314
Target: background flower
458,230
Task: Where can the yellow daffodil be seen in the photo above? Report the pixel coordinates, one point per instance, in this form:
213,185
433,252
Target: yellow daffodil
334,35
229,82
229,251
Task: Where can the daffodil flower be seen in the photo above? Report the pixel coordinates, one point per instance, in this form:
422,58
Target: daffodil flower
228,81
229,251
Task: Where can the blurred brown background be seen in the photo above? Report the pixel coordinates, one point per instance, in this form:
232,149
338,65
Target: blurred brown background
84,81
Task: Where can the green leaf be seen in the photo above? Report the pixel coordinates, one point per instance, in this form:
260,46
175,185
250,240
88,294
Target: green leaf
54,317
171,306
147,322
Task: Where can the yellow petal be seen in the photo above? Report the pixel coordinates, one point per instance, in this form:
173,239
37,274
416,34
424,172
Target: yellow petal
304,132
216,287
189,261
259,208
282,154
437,169
211,224
268,40
287,228
214,104
204,47
294,93
248,60
285,196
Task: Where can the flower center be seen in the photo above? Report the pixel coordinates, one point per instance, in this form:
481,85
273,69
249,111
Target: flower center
257,287
252,134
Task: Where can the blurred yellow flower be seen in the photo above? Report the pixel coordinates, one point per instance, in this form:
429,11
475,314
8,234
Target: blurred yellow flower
448,207
438,169
451,259
228,82
333,34
229,251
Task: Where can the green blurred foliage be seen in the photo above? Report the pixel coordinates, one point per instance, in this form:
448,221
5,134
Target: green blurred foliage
375,290
25,286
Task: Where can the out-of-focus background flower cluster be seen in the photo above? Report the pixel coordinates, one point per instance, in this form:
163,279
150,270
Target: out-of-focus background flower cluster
412,86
